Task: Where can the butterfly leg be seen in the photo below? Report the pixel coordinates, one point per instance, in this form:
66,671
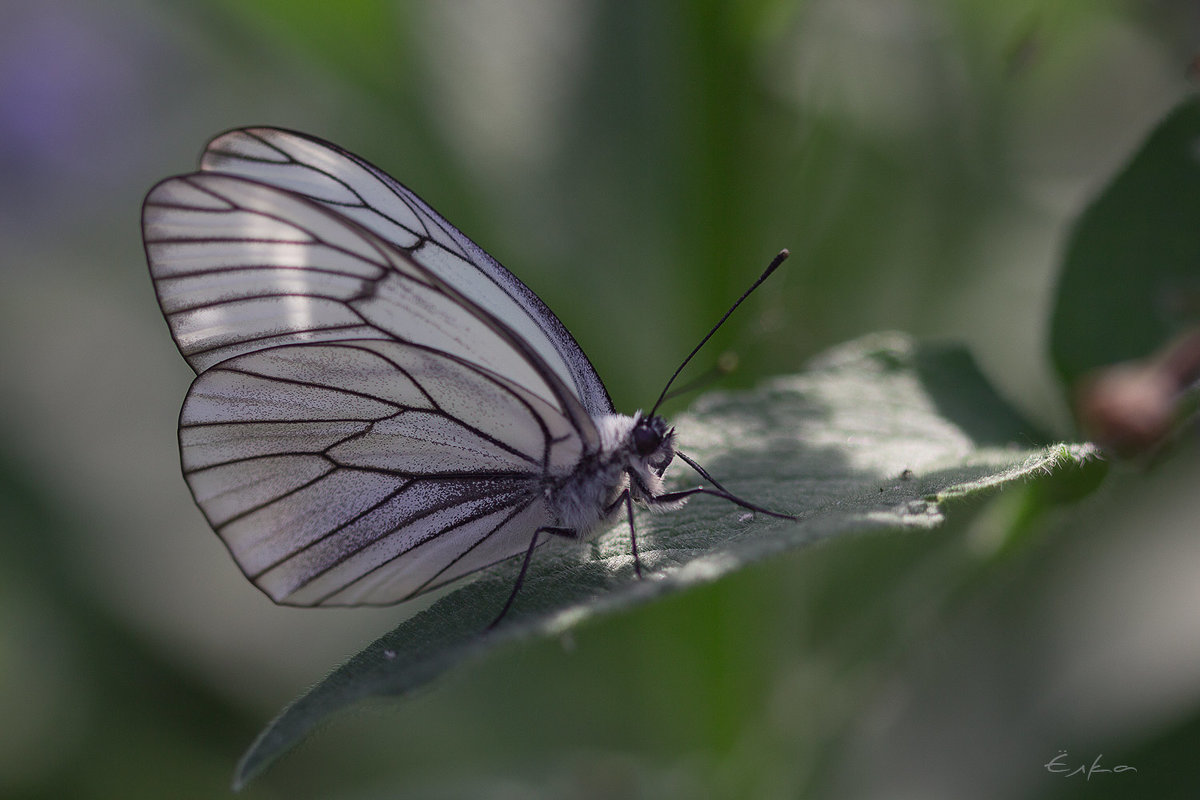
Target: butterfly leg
671,497
569,533
637,562
701,471
624,498
721,490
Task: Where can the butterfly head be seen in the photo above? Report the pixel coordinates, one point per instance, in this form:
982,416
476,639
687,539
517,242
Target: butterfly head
653,442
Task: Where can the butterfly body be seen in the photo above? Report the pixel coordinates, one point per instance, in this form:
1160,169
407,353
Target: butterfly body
590,492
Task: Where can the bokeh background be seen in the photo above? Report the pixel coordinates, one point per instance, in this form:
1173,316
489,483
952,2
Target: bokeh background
637,165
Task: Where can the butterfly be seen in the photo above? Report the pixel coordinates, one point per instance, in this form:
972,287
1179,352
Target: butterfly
380,408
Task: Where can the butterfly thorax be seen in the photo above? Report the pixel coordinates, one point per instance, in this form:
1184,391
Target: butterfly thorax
633,454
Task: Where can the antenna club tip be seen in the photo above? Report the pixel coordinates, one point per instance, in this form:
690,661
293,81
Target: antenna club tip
775,262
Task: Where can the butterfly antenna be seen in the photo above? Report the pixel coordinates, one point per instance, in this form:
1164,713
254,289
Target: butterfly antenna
775,262
725,365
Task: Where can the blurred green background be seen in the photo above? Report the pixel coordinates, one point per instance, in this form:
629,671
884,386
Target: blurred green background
636,165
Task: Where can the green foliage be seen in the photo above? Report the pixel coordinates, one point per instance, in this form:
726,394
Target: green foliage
878,435
1130,280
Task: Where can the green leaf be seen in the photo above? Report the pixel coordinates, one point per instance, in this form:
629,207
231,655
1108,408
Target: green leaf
1131,277
876,435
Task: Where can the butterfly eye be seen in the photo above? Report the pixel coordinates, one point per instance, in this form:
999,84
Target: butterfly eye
647,436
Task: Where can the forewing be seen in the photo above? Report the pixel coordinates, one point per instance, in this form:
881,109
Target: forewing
362,192
366,472
240,266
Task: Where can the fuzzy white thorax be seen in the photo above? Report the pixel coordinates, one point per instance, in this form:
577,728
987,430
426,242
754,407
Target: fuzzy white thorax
579,501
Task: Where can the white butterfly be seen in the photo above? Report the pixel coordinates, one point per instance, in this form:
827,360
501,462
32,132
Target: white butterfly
379,407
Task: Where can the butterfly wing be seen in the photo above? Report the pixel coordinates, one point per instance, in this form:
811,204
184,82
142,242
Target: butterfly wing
240,266
359,430
366,472
354,188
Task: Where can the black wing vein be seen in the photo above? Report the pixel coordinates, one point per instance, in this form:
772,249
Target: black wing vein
380,407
